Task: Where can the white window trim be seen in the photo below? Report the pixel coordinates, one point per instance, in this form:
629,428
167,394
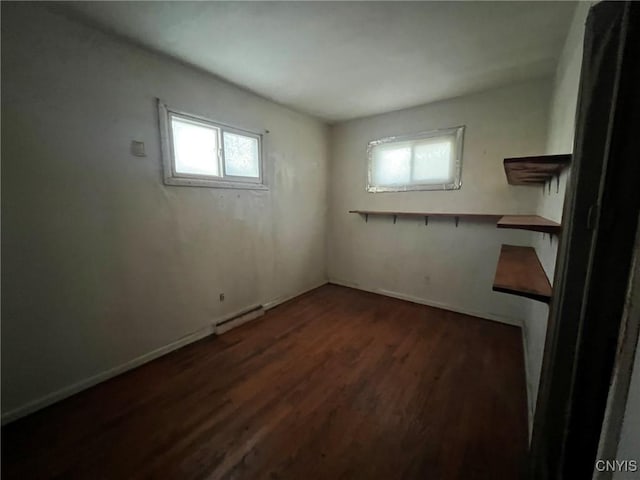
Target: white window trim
455,185
171,177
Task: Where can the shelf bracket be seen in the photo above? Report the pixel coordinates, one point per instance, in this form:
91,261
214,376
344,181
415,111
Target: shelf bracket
558,183
395,217
457,221
426,221
366,218
549,187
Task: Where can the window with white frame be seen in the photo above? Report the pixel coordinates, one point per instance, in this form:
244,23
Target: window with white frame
422,161
202,153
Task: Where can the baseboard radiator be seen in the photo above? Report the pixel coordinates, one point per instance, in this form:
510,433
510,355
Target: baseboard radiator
239,319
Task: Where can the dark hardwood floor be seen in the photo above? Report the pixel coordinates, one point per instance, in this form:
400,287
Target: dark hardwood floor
335,384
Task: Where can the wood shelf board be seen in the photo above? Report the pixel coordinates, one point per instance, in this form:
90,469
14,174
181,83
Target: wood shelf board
534,223
534,170
519,272
488,216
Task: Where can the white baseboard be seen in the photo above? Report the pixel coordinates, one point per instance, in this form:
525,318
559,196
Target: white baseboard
70,390
431,303
527,376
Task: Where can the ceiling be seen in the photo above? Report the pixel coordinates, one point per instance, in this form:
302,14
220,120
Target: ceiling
341,60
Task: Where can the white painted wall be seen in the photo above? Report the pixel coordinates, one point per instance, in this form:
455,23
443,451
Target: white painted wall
561,127
438,264
102,263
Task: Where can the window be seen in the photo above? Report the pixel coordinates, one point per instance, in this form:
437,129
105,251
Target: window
202,153
423,161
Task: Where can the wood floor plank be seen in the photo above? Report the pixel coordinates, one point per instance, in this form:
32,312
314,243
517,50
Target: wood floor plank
334,384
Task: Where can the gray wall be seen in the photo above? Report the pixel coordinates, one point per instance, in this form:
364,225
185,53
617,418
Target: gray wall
102,263
439,264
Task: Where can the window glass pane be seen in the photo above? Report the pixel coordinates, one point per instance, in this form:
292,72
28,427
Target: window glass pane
241,155
195,147
433,161
421,161
391,165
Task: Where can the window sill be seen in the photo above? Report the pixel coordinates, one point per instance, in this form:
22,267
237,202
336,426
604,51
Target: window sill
193,182
415,188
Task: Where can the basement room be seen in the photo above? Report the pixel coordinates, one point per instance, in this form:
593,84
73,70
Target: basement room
320,240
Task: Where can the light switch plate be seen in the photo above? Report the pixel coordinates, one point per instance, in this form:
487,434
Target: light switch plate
137,149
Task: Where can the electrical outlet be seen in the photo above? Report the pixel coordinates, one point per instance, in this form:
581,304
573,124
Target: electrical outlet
222,297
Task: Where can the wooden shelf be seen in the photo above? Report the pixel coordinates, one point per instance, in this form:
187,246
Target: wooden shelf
534,223
519,272
426,215
534,170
